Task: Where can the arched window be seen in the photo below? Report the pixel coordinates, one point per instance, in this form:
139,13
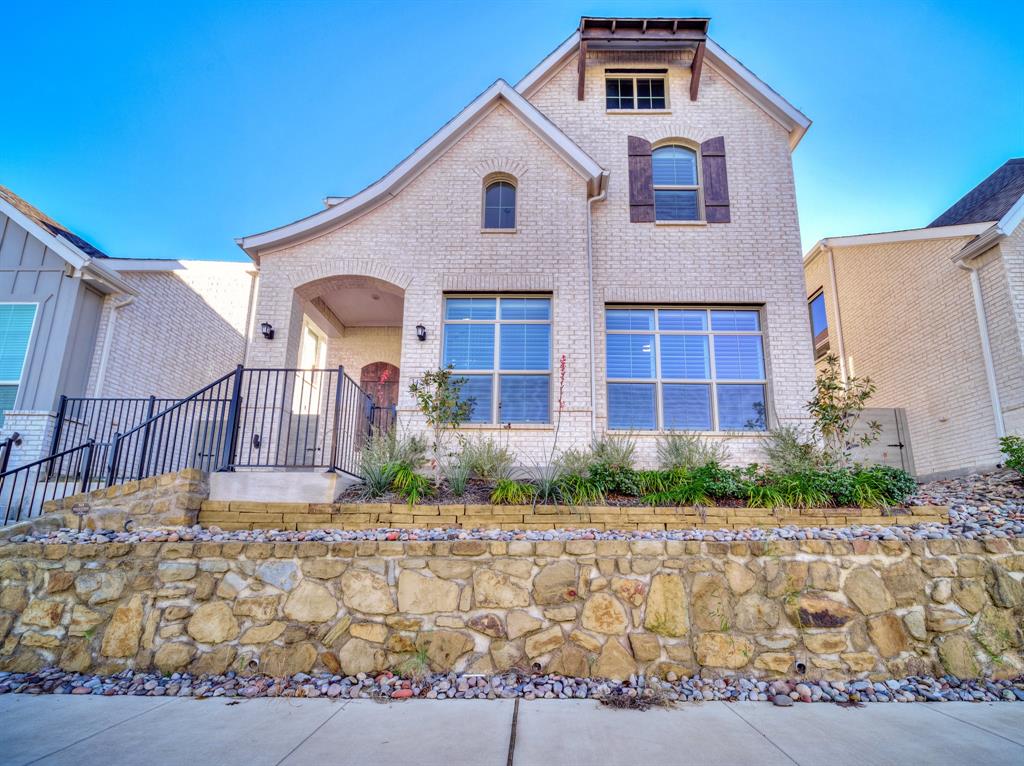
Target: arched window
500,205
676,184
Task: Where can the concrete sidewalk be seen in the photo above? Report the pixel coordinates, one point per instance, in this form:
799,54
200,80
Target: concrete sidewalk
111,731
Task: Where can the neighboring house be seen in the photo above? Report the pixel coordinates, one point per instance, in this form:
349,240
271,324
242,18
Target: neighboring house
77,322
935,317
629,205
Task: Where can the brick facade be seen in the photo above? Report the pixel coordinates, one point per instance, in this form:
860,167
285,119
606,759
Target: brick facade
427,240
909,323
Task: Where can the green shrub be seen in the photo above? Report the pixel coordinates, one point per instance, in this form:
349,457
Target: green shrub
411,486
614,479
547,480
650,482
801,490
788,450
377,477
838,485
456,475
580,490
699,486
613,450
882,485
765,494
689,450
487,459
1013,448
509,492
576,461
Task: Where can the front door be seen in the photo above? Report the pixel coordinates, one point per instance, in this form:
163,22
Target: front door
380,381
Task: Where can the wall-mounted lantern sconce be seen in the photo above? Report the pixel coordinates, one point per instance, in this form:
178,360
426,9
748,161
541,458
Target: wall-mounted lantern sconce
268,330
421,332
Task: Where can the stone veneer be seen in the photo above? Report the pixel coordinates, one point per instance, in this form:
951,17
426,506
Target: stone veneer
168,500
232,515
602,608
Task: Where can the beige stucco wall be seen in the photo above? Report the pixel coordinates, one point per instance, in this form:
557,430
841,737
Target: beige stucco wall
909,323
186,327
427,240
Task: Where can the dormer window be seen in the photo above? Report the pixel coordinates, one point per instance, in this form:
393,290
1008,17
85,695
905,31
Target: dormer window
635,90
499,204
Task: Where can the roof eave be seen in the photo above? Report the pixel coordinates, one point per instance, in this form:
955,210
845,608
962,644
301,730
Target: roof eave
402,174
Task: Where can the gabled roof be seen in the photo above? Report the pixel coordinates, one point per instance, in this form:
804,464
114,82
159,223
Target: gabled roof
753,87
988,213
402,174
991,199
56,229
86,259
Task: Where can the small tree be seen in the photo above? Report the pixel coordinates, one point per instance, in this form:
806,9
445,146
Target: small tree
438,395
836,408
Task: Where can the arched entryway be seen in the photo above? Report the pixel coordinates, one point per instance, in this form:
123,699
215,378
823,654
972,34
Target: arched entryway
380,381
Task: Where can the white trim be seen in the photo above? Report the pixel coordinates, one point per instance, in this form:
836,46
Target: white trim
791,118
996,232
158,264
758,91
85,266
549,65
986,351
904,235
402,174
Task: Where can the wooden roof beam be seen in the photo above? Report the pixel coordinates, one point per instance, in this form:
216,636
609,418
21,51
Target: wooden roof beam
695,69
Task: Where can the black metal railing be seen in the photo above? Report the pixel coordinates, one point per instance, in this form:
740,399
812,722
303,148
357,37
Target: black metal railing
282,418
24,489
81,418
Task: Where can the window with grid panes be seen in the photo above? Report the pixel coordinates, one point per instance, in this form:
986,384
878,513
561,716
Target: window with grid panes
685,369
501,346
634,93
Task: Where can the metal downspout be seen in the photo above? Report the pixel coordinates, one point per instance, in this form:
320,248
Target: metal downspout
986,349
590,300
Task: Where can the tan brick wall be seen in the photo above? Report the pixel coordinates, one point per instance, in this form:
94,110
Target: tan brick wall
909,323
185,328
428,240
1011,328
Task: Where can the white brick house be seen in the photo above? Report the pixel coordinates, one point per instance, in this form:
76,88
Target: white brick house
653,233
935,317
628,205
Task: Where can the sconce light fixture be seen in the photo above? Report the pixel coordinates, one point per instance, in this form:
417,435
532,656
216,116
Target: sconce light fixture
268,330
421,332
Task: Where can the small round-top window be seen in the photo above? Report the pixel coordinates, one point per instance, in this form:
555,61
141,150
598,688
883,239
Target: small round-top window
500,205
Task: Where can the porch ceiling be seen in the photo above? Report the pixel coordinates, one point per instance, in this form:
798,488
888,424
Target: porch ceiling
359,301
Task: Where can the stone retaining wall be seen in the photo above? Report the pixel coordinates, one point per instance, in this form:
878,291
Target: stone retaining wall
297,516
603,608
169,500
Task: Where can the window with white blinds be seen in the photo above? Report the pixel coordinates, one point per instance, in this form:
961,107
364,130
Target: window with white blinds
685,369
16,320
501,347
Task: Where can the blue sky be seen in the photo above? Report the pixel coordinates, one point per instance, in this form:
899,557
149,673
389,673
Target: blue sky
164,130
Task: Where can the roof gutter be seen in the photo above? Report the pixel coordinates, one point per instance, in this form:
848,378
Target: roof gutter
997,232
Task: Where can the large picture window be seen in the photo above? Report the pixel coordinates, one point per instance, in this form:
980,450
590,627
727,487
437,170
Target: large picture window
685,369
16,320
501,345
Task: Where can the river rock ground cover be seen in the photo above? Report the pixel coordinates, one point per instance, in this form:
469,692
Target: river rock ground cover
981,505
442,686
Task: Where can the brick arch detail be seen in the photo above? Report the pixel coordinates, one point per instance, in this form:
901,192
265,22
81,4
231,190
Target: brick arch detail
506,166
344,267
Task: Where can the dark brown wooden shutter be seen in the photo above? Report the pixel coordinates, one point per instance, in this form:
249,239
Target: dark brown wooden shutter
641,181
716,181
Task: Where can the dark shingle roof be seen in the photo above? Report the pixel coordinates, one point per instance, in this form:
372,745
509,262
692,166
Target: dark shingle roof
990,200
41,218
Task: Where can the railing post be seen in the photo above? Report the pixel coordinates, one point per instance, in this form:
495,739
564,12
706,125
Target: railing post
337,419
6,457
58,429
145,439
87,469
231,443
115,448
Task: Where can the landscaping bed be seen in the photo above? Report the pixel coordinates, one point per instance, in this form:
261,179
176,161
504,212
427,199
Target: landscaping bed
444,686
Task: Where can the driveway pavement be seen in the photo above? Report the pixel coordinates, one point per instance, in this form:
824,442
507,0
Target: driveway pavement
116,731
